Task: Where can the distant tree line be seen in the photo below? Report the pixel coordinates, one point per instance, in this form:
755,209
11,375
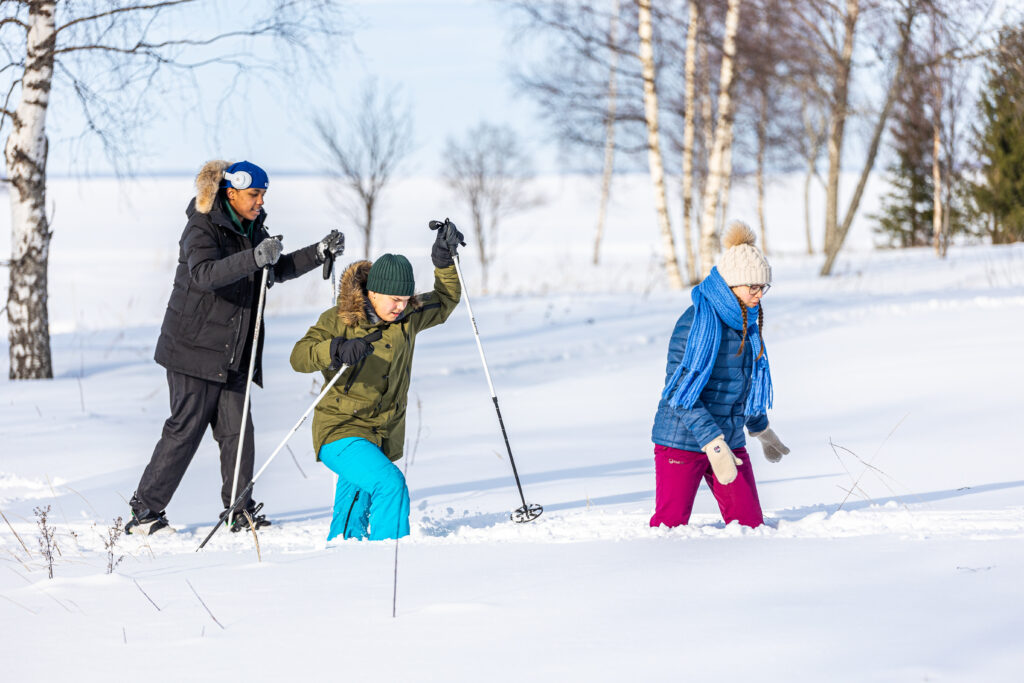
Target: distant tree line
710,91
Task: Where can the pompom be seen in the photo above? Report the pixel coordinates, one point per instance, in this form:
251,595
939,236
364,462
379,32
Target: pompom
738,233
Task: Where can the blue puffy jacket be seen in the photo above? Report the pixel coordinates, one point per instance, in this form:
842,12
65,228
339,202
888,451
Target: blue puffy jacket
719,410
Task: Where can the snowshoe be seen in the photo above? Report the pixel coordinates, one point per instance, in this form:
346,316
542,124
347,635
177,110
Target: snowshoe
145,522
240,522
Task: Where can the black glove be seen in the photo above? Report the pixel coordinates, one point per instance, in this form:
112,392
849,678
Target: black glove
349,351
446,243
267,252
330,246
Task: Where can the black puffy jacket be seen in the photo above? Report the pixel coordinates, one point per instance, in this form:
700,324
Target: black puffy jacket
210,316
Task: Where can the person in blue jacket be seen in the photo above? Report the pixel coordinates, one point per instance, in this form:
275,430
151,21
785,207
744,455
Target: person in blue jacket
717,382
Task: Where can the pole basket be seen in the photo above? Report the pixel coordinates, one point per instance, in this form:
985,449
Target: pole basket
527,513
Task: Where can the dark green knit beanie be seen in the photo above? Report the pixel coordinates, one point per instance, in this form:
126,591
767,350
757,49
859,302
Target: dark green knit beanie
391,274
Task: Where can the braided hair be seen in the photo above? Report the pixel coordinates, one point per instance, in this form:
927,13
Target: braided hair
760,327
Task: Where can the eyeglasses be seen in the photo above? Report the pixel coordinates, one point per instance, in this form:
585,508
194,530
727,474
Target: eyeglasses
763,289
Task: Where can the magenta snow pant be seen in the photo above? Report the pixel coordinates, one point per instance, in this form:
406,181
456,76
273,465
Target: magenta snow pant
677,477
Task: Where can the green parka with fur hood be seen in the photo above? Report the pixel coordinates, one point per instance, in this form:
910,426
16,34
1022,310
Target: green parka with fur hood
369,401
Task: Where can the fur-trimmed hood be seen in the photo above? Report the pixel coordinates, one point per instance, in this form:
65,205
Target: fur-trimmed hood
208,183
353,303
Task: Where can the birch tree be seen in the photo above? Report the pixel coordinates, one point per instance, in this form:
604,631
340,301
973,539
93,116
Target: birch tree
719,155
835,232
363,158
110,58
609,127
655,161
689,134
490,171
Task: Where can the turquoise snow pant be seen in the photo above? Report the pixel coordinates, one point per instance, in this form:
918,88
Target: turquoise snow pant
371,491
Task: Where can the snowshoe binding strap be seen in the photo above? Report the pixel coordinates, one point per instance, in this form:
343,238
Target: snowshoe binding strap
249,519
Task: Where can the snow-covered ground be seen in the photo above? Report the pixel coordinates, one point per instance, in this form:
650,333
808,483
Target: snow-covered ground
895,538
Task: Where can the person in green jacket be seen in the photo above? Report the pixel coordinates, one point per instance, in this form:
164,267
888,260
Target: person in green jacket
359,426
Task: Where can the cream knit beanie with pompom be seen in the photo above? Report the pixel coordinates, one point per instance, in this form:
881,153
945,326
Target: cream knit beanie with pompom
742,263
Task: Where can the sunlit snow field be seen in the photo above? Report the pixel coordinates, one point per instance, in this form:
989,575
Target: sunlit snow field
894,542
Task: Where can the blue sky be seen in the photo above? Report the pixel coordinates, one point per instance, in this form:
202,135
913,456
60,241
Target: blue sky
449,60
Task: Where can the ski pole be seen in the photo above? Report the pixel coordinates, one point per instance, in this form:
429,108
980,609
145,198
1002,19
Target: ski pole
527,513
234,505
248,386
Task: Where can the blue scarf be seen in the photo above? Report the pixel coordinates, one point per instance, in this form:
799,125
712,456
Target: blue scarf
714,303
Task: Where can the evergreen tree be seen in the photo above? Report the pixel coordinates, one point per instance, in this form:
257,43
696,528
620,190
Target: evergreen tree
999,196
907,210
906,216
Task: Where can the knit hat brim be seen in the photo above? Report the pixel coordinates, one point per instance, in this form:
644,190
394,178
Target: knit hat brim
391,274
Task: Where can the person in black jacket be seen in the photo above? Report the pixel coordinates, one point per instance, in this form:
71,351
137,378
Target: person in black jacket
208,331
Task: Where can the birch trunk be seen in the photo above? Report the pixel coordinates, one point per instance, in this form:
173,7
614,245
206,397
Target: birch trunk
726,192
689,132
25,155
762,128
707,131
814,139
654,144
937,213
723,139
876,139
807,209
609,132
837,124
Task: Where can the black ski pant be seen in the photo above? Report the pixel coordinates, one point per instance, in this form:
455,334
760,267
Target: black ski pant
195,405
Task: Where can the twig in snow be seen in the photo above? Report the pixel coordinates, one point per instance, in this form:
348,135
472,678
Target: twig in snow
81,394
31,611
84,499
110,543
856,482
255,536
147,595
419,431
204,604
11,527
46,544
884,477
60,509
20,561
296,461
124,634
854,487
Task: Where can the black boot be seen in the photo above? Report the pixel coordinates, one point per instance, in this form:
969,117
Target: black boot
258,521
144,521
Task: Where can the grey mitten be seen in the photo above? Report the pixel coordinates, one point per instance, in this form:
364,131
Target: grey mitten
723,461
770,444
330,246
267,252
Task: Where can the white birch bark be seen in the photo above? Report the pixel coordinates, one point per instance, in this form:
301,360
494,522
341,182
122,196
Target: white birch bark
837,124
723,139
654,144
762,133
815,138
707,132
937,213
609,131
25,155
726,192
689,132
